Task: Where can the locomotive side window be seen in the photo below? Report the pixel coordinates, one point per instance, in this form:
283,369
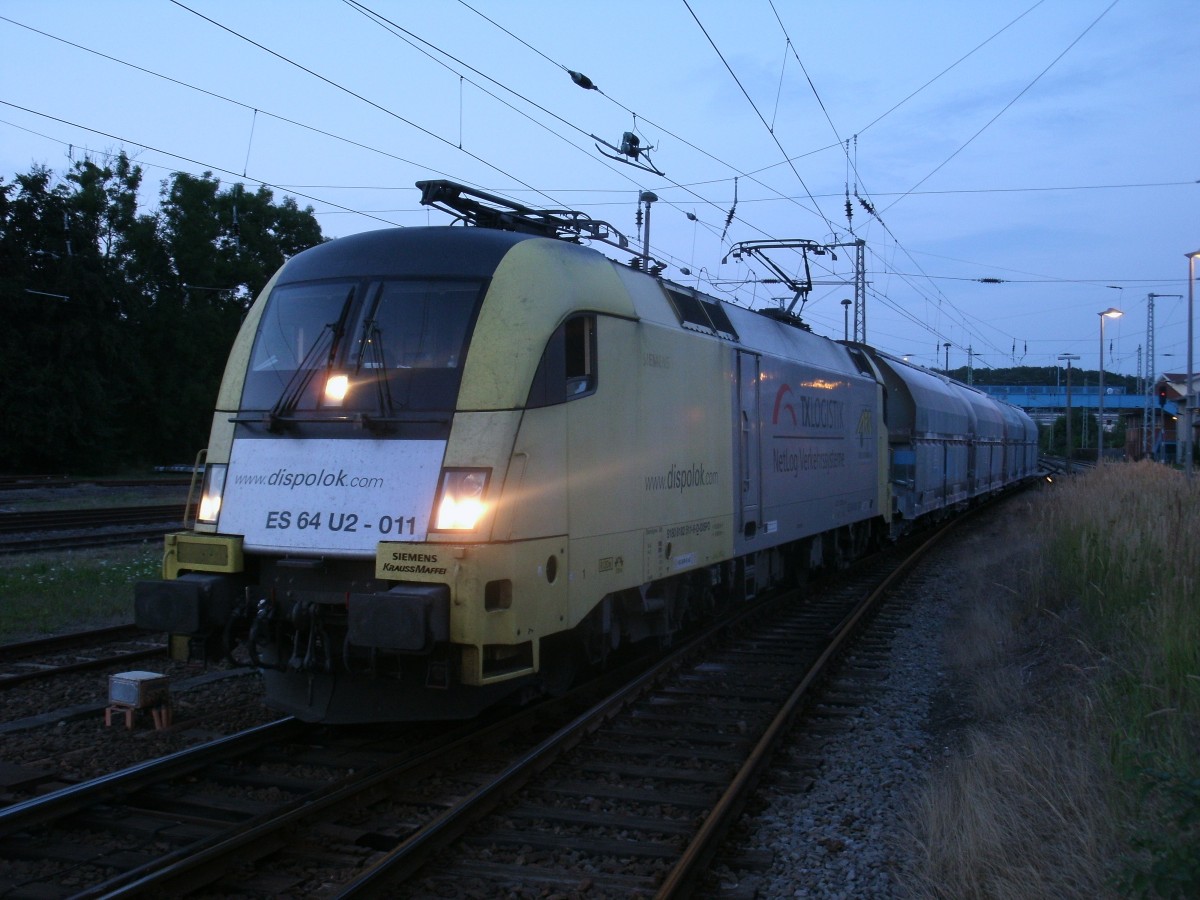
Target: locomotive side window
580,355
699,314
567,369
719,319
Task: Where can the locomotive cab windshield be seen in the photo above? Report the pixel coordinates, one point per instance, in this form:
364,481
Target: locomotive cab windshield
326,349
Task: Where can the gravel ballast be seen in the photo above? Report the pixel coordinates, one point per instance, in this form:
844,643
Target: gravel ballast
834,817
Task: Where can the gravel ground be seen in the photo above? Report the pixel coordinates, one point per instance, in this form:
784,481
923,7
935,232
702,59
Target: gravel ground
77,745
846,833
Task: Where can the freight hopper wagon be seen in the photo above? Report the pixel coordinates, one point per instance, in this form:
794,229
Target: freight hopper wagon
455,465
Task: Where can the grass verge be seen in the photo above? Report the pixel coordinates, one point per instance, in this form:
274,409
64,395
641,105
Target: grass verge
1078,662
46,594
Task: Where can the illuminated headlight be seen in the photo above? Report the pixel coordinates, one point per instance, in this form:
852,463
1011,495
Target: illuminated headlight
459,503
336,388
210,494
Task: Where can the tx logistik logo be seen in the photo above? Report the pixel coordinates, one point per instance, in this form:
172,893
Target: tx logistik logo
807,412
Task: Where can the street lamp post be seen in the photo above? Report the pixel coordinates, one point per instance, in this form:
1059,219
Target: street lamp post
1111,313
846,320
1068,357
1187,385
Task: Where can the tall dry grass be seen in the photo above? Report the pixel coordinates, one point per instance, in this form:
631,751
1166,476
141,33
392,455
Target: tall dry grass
1015,816
1124,543
1079,656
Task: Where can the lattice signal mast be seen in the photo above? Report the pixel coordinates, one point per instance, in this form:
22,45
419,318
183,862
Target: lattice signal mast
1149,417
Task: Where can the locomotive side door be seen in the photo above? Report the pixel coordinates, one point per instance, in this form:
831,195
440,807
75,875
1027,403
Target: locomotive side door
749,443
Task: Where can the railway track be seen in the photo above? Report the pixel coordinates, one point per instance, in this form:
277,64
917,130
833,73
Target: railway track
28,482
65,519
83,651
30,532
1059,465
631,796
662,769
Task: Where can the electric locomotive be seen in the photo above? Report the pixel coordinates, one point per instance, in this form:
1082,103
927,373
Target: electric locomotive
451,466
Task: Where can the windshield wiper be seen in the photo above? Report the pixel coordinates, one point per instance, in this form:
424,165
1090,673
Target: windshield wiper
372,337
327,342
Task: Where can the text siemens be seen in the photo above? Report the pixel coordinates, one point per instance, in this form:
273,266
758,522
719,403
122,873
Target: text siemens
324,478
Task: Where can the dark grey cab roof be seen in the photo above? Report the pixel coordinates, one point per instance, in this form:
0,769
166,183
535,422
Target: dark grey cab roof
433,252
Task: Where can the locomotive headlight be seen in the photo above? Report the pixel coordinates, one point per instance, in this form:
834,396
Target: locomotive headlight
336,388
459,503
210,493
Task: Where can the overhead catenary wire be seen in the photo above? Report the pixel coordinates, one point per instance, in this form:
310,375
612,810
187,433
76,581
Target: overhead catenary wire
591,85
948,68
223,98
353,93
577,77
817,207
852,164
202,165
1009,104
254,110
343,209
705,223
658,126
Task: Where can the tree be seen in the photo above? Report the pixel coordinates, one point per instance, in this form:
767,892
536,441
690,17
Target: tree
225,245
119,322
57,355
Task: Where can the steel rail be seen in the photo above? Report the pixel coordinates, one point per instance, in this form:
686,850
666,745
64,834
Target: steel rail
76,541
87,665
26,652
183,869
62,519
71,799
10,653
405,859
682,879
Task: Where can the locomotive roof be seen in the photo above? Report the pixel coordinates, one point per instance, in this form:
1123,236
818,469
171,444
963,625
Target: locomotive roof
434,251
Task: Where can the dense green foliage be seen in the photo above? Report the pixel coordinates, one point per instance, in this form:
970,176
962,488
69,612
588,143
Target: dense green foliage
118,322
1083,435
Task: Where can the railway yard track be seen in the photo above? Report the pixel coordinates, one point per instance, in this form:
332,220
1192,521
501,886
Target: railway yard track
628,795
42,530
28,482
52,657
